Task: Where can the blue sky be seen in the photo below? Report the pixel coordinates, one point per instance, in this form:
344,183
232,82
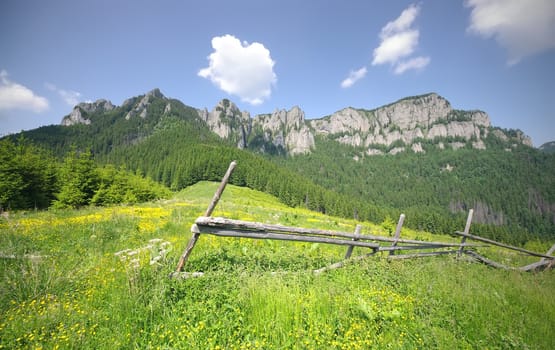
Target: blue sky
494,55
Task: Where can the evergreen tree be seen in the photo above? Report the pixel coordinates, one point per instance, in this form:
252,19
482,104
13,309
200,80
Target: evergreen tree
79,180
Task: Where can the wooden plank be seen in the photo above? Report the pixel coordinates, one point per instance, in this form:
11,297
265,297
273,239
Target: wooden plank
422,255
538,265
489,241
351,247
262,227
487,261
542,264
417,247
397,232
466,230
230,224
209,210
281,236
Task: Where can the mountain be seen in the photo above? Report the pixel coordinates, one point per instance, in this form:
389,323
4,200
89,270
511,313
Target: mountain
394,128
548,147
417,155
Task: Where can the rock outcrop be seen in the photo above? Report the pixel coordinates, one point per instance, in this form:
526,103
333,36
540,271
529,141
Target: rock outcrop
228,122
287,129
419,118
140,109
406,125
80,112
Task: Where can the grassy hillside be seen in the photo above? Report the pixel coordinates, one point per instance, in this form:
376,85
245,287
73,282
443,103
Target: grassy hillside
98,278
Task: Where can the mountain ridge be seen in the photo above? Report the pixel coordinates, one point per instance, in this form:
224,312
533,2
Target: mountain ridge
400,126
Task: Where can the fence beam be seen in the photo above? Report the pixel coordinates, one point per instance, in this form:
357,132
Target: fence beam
485,240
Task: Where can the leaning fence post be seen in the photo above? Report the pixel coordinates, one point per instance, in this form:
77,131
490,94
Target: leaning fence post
397,233
208,212
351,247
466,231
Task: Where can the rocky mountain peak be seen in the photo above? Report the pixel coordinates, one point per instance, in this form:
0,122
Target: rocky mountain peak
286,129
140,108
405,122
79,113
155,93
228,122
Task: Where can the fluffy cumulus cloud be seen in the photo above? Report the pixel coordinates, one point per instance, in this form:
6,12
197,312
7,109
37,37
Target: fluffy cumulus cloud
241,69
70,97
399,40
524,28
17,96
353,77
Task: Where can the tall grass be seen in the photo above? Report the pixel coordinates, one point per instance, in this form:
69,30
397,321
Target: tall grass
98,278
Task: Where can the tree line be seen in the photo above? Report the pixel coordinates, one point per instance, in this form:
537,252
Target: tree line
32,178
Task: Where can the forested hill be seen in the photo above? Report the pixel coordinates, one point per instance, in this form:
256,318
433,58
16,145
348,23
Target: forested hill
510,185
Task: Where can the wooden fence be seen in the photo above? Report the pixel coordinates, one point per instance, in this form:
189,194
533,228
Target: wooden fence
255,230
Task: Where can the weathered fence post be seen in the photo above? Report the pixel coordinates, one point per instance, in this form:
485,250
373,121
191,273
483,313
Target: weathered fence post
208,212
351,247
397,233
466,231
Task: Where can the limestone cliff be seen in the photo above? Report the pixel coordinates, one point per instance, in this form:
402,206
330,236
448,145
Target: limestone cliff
287,129
407,121
409,125
228,122
79,113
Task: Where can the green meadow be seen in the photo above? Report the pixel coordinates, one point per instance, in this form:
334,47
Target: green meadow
98,278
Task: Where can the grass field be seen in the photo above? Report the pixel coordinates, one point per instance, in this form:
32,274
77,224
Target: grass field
98,278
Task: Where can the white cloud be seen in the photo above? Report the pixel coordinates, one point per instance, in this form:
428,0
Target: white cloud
402,23
17,96
399,41
414,63
241,69
395,47
524,28
70,97
353,77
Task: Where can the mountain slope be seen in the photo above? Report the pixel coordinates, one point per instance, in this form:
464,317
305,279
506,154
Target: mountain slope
434,162
548,147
